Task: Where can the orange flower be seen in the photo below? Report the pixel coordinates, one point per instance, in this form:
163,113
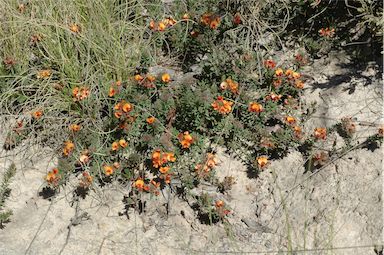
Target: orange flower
277,83
269,63
273,97
160,158
37,114
299,84
297,131
108,170
206,19
288,72
115,146
215,23
161,26
152,24
164,169
222,106
123,143
86,180
320,133
118,114
139,184
127,107
233,86
170,156
185,16
381,131
255,107
53,177
237,19
185,139
219,203
262,161
290,120
112,91
166,78
43,74
151,78
279,72
68,147
151,120
80,93
167,179
74,127
75,28
156,159
296,75
138,77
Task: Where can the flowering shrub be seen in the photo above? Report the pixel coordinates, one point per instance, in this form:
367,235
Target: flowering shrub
92,95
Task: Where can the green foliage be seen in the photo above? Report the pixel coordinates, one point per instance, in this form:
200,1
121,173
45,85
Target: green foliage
4,193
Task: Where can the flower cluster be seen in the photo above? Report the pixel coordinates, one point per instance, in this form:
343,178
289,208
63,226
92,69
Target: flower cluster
110,169
288,75
161,158
147,81
211,20
222,106
162,25
231,85
221,209
327,32
86,180
80,93
117,144
53,177
210,162
185,139
320,133
114,88
122,109
151,186
69,146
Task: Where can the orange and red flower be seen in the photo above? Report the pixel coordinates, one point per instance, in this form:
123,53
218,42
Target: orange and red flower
150,120
53,177
327,32
80,93
166,78
185,139
68,147
269,63
160,158
320,133
262,161
255,107
222,106
74,127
